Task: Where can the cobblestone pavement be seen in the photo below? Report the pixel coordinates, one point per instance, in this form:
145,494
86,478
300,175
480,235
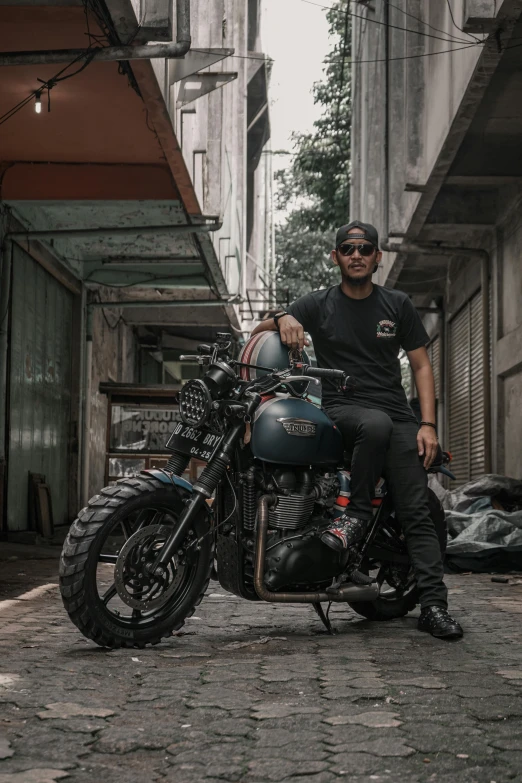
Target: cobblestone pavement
257,693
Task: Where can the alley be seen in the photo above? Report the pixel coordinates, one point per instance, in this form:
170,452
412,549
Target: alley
256,692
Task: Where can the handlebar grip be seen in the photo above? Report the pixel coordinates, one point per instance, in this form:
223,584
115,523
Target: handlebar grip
322,372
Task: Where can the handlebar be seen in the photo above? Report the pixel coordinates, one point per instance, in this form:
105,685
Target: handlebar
321,372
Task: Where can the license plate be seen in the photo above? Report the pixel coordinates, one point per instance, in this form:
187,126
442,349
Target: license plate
199,443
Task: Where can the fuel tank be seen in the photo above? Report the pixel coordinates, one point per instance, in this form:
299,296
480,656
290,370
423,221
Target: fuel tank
289,431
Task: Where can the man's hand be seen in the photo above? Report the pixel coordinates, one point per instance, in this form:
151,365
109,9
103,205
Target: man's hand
291,332
427,443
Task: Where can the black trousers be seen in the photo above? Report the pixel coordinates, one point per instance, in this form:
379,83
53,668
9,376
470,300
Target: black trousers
382,447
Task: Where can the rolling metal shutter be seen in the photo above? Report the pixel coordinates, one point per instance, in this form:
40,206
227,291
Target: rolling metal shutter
466,392
39,388
476,424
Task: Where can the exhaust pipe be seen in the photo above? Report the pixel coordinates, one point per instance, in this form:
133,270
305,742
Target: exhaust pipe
351,593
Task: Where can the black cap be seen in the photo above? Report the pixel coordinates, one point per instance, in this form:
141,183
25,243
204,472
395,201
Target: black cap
368,232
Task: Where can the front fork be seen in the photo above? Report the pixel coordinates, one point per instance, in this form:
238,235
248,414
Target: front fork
204,487
202,490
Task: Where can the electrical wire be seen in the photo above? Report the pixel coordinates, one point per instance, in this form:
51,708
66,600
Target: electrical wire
54,80
451,39
427,24
110,34
50,83
120,320
352,61
409,56
455,25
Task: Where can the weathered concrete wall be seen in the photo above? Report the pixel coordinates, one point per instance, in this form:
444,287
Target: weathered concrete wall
418,127
114,358
512,404
507,354
212,132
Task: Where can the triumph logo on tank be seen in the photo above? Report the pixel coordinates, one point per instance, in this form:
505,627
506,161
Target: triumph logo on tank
386,329
300,427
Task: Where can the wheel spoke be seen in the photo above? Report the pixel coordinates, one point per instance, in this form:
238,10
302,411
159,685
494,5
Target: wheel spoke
108,594
145,518
126,529
106,558
141,518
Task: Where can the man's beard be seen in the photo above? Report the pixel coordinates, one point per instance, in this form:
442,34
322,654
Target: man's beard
358,281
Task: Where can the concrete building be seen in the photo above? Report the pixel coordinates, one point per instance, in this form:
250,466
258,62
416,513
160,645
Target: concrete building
135,215
437,166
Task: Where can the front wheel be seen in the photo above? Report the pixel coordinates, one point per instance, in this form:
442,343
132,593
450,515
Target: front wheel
107,585
399,593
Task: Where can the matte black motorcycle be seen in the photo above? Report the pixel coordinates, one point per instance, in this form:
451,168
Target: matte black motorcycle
138,558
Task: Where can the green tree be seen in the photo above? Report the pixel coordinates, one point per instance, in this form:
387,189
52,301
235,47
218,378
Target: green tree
313,192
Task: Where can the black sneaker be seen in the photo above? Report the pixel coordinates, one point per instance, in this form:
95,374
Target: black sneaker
344,532
438,622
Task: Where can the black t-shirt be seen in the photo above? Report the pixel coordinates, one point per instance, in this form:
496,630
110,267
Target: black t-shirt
363,337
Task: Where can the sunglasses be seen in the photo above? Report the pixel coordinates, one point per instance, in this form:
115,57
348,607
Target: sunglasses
349,250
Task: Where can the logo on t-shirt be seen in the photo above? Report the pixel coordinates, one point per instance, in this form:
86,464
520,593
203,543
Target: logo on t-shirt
386,329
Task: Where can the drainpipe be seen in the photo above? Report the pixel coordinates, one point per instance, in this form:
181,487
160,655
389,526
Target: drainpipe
386,144
112,53
130,231
168,302
87,407
5,292
483,255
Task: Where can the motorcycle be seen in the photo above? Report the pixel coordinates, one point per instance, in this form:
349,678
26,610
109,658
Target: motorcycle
138,558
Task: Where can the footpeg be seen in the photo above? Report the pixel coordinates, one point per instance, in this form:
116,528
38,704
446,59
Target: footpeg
358,578
336,583
353,578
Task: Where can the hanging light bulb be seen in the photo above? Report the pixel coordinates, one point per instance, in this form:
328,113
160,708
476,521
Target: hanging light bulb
38,103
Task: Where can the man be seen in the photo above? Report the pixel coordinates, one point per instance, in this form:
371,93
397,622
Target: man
360,328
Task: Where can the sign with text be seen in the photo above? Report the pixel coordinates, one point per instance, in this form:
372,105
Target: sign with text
137,429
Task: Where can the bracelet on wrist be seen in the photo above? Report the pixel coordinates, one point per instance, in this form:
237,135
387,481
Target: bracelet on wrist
277,317
429,424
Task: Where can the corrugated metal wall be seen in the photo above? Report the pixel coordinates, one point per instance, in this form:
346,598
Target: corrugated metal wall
40,388
466,392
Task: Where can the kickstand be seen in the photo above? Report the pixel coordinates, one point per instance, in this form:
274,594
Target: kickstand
325,619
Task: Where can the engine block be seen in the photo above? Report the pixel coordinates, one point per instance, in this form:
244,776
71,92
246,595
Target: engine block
291,511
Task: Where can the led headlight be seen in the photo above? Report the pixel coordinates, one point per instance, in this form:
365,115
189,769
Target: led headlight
194,403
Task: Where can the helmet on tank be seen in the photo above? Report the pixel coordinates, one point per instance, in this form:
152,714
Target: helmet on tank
267,350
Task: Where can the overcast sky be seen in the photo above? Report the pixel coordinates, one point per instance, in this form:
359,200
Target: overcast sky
295,35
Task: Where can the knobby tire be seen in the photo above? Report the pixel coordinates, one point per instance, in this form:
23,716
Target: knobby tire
76,564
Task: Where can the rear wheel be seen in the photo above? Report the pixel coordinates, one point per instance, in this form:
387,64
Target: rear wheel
399,590
107,584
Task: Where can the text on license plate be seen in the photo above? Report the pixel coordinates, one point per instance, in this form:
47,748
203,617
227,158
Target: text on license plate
199,443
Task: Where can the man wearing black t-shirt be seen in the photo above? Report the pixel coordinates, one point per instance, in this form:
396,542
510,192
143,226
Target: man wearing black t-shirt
360,328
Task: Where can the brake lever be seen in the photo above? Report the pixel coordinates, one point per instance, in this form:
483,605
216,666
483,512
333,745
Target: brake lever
200,359
348,385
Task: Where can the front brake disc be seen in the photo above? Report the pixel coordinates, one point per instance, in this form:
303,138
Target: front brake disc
136,585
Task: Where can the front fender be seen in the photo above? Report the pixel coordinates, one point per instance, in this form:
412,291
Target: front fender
168,478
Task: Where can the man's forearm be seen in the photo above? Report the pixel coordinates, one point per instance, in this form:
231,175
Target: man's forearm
265,326
426,392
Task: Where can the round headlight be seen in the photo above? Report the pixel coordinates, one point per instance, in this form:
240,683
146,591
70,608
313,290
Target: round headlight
194,403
